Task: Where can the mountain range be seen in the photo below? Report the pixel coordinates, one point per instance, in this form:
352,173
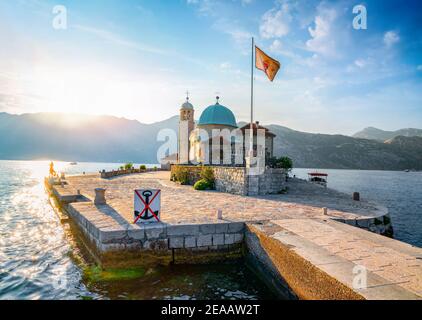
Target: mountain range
71,137
381,135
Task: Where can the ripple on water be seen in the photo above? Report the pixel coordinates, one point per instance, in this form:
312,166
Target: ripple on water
35,261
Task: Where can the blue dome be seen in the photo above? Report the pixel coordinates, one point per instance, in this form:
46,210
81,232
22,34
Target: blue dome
217,114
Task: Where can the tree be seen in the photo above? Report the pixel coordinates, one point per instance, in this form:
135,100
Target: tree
286,163
282,163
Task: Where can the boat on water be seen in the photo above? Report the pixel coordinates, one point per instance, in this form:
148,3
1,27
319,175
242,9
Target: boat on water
73,163
318,178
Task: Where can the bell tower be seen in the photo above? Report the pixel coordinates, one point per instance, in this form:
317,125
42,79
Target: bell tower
186,126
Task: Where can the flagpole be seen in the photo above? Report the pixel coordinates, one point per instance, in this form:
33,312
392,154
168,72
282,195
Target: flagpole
252,97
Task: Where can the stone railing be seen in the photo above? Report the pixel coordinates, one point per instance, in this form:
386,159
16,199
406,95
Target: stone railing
116,173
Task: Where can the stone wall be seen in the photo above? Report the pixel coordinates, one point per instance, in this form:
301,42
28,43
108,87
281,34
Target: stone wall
380,224
159,239
272,181
236,181
227,179
116,173
230,180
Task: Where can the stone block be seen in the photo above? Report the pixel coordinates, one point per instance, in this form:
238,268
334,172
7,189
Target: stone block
236,227
207,228
363,223
154,231
238,237
183,230
190,242
204,240
106,247
218,239
93,230
351,222
176,242
136,232
221,227
229,238
156,245
109,235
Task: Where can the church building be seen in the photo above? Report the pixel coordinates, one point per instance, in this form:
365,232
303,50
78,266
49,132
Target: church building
216,138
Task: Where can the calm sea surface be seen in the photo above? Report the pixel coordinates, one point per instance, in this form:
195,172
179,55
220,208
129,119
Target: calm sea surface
38,258
399,191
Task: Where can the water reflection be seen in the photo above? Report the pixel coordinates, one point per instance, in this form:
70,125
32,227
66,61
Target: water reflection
36,251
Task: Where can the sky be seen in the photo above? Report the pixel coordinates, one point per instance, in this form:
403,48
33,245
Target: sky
136,59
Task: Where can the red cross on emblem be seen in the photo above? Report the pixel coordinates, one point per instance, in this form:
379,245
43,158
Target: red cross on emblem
147,212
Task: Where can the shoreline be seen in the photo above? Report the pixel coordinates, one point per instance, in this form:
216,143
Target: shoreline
172,243
157,164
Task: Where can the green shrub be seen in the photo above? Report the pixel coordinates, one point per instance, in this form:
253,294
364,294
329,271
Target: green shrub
143,167
203,185
207,174
181,175
155,168
128,166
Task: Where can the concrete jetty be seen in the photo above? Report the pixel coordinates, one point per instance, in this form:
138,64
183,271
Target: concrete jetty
305,251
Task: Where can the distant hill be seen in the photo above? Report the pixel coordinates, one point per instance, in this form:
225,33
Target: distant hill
381,135
112,139
343,152
79,137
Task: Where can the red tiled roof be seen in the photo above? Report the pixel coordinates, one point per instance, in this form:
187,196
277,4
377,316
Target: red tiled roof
254,126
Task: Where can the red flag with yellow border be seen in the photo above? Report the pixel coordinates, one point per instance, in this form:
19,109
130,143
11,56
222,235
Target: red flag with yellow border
267,64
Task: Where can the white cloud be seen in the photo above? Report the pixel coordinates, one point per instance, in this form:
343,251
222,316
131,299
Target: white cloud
240,36
391,38
361,63
225,65
275,22
322,40
205,7
276,46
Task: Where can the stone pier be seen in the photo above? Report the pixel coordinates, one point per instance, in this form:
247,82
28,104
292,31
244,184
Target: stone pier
306,251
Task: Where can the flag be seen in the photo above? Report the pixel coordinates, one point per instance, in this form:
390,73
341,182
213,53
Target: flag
267,64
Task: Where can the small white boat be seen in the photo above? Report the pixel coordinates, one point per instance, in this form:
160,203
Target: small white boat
318,178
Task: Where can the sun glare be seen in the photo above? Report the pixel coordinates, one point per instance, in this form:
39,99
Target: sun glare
95,91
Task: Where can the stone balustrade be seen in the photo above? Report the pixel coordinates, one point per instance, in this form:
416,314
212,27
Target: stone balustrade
117,173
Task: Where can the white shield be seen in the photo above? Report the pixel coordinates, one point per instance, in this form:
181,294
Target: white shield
147,205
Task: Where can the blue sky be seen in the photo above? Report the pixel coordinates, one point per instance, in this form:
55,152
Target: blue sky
136,59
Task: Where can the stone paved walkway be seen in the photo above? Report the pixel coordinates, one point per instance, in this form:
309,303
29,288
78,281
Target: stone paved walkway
335,248
394,262
183,204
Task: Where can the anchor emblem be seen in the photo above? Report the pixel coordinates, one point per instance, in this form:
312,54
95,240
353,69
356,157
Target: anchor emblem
147,213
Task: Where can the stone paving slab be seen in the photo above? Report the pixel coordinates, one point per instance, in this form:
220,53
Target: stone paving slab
182,204
189,221
345,247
